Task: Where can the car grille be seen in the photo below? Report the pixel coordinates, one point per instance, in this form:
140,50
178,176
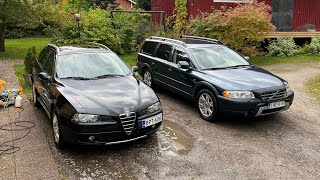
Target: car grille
273,95
128,121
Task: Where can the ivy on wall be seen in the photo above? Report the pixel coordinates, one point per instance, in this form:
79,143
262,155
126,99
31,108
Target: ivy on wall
181,19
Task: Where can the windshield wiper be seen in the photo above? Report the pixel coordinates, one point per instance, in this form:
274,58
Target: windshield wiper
217,68
78,78
108,75
240,66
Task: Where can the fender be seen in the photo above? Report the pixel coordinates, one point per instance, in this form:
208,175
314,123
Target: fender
146,65
201,85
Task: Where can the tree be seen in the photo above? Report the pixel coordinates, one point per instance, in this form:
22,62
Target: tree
143,4
18,13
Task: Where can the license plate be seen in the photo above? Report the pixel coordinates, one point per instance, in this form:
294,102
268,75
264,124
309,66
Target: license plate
151,121
278,104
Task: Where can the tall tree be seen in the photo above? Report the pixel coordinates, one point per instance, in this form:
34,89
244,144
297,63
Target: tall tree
143,4
18,13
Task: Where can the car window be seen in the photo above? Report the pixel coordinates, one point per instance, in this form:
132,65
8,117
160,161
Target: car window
90,65
149,47
164,51
43,55
180,55
217,57
49,62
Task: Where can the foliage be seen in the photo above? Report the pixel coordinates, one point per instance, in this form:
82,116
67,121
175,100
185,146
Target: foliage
313,47
17,48
30,59
181,17
143,4
283,47
20,71
268,60
239,27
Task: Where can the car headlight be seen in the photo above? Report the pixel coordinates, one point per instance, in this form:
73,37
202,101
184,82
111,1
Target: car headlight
287,87
238,94
85,118
154,108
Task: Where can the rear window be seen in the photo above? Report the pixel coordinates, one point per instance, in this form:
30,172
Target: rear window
164,51
148,47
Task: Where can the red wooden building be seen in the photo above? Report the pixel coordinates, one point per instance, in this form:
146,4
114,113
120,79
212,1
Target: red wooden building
287,15
127,4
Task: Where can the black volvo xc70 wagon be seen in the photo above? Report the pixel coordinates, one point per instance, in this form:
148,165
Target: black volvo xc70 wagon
217,78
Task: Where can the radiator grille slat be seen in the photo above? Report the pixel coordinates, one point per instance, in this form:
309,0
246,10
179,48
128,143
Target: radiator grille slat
273,95
128,122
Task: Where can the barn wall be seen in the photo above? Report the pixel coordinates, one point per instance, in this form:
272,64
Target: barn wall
306,15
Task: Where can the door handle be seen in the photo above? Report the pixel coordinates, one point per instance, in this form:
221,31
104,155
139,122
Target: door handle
170,69
153,63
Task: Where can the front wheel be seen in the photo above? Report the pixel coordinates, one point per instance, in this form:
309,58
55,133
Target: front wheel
207,105
57,136
35,96
147,78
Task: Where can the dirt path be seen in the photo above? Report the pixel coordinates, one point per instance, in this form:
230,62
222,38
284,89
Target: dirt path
281,146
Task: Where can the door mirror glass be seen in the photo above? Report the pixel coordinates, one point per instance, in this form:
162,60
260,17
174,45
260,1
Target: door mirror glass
183,65
44,76
135,68
247,58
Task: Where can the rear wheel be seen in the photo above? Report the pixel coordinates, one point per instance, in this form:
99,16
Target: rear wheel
207,105
147,78
57,136
35,96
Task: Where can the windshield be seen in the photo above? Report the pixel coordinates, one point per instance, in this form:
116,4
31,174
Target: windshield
215,57
90,65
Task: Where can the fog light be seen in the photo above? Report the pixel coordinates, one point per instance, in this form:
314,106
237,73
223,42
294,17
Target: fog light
91,138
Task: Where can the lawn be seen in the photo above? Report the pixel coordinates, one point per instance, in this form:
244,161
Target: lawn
27,90
313,85
17,48
265,60
129,58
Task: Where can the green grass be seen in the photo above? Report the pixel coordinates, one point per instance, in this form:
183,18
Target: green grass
313,85
27,90
266,60
129,58
17,48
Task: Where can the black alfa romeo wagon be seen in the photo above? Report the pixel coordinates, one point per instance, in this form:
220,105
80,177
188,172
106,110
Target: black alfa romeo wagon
92,97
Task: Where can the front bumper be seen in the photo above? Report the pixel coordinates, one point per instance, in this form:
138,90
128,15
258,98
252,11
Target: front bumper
251,108
103,134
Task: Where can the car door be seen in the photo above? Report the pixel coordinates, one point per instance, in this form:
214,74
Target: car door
146,55
47,84
181,79
163,56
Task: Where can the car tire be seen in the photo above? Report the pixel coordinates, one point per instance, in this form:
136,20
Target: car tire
207,105
57,135
35,95
147,78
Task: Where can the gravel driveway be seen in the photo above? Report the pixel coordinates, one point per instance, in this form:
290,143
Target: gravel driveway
280,146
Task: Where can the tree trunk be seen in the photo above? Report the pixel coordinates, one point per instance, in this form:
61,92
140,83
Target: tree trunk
2,47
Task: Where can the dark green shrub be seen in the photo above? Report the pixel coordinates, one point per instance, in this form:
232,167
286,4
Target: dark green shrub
30,59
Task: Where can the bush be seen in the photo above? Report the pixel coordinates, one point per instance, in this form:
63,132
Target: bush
313,47
241,28
30,59
283,47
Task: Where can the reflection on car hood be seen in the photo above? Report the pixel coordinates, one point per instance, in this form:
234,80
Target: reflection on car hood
109,96
243,78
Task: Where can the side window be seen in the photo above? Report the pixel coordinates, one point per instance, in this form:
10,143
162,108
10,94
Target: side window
149,47
43,55
180,55
164,51
49,62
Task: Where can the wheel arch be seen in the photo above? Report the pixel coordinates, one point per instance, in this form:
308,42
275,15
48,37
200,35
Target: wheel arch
204,85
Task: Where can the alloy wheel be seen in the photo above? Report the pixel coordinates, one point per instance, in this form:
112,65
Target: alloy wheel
147,78
56,130
205,104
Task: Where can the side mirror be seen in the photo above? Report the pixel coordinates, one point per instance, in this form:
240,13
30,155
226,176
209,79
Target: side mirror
184,65
44,76
247,58
135,68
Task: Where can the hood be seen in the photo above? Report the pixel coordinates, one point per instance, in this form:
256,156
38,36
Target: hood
109,96
252,78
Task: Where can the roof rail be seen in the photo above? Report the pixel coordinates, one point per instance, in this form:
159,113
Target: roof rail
54,46
169,40
201,38
100,45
